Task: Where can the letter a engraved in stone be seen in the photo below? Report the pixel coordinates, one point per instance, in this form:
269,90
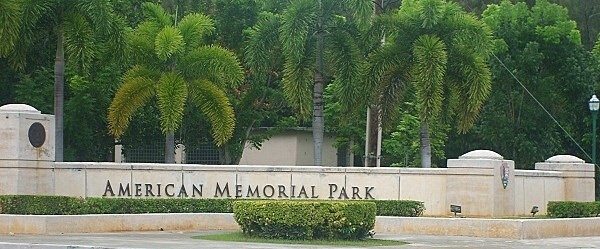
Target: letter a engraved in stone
343,193
108,189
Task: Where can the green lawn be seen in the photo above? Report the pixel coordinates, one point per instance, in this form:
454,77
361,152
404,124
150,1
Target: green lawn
239,237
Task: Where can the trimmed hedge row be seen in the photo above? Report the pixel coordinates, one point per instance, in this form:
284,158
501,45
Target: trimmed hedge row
305,219
63,205
401,208
573,209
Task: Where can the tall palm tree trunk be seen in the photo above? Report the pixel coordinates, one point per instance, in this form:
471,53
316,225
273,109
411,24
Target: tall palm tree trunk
59,83
318,121
425,146
373,139
170,147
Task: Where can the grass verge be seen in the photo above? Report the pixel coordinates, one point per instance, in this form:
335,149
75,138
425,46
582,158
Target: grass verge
240,237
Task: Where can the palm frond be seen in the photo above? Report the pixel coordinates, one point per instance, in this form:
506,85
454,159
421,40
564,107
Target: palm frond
215,64
137,89
392,92
155,13
168,41
99,13
431,13
31,13
428,74
347,59
79,42
10,23
171,96
213,103
106,24
297,87
362,11
263,42
194,28
298,24
471,35
474,89
384,65
141,42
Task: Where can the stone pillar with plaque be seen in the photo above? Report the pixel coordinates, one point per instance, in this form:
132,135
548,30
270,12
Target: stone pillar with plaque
481,183
26,150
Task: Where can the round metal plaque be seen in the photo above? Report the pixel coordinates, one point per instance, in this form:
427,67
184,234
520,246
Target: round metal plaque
37,134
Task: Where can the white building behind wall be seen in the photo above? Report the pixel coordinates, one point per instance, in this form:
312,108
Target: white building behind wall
292,147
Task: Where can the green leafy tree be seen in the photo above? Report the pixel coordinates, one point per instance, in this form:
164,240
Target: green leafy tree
174,65
439,51
541,47
259,101
75,28
348,128
402,146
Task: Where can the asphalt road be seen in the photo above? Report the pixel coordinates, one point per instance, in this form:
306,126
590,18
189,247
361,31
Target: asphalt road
169,239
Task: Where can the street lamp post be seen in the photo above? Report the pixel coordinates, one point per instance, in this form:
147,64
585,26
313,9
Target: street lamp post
594,106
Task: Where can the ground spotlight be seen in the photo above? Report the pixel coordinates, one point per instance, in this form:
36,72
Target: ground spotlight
455,209
534,210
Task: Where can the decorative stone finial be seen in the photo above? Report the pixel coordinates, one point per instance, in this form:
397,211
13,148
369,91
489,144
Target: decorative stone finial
564,159
21,108
481,154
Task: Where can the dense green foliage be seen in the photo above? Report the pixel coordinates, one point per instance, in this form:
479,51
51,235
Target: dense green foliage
402,208
573,209
305,219
538,52
63,205
550,46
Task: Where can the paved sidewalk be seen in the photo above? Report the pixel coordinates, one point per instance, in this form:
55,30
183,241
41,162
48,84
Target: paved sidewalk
184,240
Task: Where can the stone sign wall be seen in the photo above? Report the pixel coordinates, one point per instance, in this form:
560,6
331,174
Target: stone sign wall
481,182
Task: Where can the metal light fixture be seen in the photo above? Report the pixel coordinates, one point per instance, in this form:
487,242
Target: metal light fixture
455,209
594,104
534,210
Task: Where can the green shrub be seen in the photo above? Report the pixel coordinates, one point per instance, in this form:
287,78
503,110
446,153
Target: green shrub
402,208
573,209
305,219
35,204
63,205
40,205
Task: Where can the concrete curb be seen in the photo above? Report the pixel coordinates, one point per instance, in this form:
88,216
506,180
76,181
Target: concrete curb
474,227
490,228
96,223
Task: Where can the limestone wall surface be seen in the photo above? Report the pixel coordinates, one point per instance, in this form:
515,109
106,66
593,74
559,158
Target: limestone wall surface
481,182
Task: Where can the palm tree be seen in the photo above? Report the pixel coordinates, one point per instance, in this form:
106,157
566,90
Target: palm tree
310,31
439,51
174,64
76,24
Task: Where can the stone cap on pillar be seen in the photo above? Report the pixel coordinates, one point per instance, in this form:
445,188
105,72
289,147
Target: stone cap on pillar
481,154
576,167
476,159
19,108
26,134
